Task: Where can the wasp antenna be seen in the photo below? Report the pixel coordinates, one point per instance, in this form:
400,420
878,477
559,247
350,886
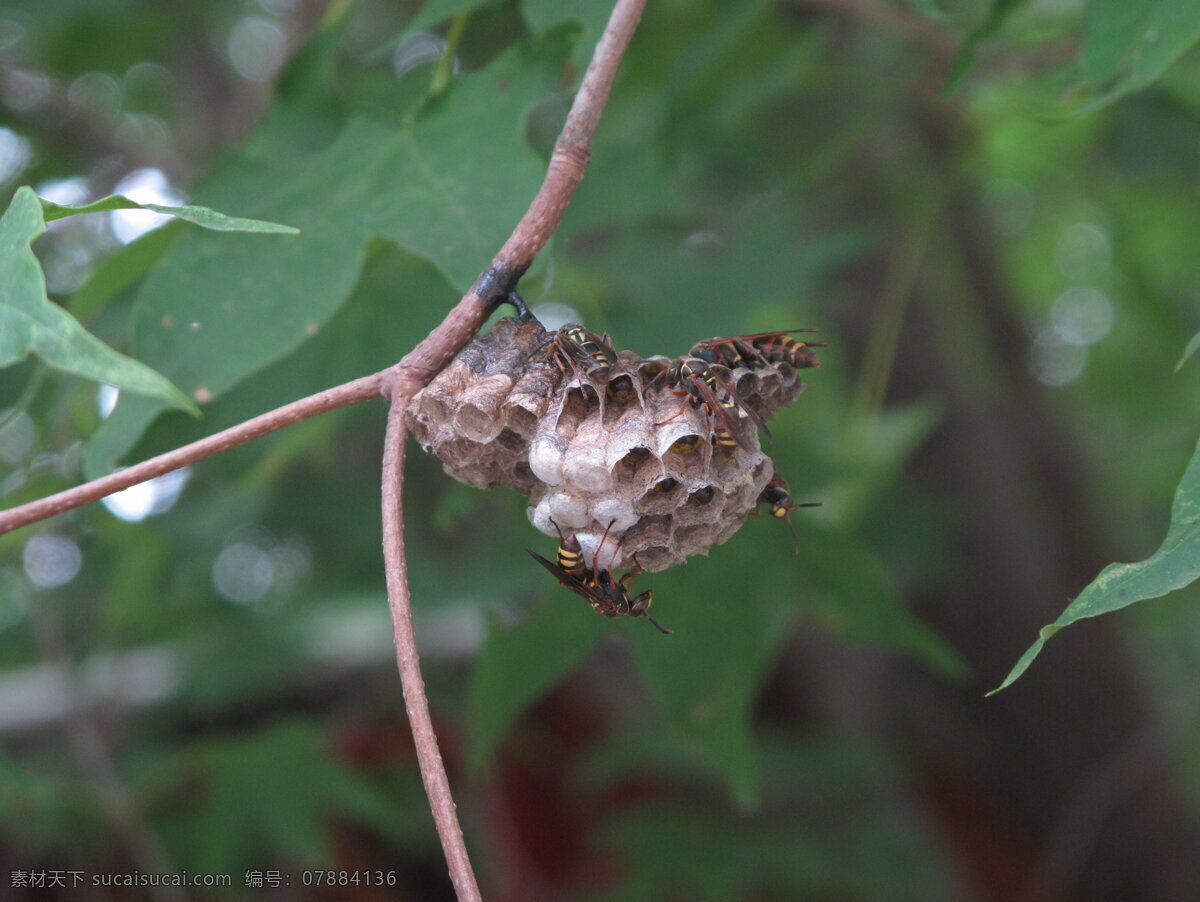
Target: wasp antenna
795,538
558,529
658,626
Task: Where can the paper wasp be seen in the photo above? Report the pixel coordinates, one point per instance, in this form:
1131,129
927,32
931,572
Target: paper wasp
777,494
607,596
573,347
576,348
758,350
701,386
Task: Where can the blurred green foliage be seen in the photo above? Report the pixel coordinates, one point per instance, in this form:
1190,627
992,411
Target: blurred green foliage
752,154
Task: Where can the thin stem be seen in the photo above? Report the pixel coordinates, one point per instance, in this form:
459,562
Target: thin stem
429,758
565,171
899,280
349,393
445,64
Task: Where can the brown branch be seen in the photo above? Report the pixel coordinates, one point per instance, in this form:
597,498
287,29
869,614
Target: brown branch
564,173
332,398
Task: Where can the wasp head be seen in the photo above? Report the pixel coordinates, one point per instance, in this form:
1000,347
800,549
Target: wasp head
640,605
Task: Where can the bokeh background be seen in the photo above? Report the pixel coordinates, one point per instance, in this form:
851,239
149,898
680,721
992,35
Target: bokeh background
989,210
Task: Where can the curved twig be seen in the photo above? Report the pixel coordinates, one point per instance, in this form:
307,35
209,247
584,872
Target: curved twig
429,758
563,175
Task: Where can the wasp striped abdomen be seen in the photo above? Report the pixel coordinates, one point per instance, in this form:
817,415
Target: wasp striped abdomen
591,350
758,350
780,348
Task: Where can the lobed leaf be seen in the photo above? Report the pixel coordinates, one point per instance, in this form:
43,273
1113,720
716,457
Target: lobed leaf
30,323
122,270
542,15
1174,565
1130,43
437,11
201,216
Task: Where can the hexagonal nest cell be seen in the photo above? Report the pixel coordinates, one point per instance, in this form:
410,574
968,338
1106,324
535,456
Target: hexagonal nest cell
665,451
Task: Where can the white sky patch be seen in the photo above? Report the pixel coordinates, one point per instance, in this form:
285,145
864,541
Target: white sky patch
65,191
25,89
106,399
243,573
15,154
418,50
255,47
146,186
1082,315
555,316
148,499
51,561
1082,251
1057,364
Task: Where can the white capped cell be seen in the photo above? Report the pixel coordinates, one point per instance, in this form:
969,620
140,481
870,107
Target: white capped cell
546,457
616,511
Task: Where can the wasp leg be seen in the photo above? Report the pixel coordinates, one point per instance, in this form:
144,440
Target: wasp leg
636,570
687,398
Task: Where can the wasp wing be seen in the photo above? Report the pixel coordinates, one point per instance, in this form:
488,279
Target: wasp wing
721,413
758,336
566,579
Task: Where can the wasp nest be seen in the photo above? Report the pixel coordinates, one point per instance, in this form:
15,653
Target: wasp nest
634,449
